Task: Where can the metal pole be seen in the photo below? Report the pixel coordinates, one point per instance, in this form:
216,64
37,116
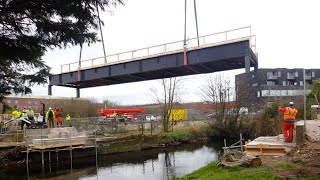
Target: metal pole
195,14
304,98
70,152
27,144
101,34
185,61
95,143
57,157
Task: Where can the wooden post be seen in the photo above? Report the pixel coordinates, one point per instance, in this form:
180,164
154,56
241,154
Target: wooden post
299,134
70,152
241,142
225,146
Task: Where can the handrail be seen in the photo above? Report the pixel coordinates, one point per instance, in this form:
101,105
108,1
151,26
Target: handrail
163,49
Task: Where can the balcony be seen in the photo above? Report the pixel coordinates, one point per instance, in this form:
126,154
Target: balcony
291,76
308,77
271,77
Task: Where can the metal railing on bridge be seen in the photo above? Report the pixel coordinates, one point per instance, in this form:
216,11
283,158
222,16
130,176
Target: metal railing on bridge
225,37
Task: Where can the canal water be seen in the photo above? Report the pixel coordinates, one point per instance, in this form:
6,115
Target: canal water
145,165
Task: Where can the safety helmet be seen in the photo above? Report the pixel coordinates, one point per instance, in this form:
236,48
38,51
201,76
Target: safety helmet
290,103
50,108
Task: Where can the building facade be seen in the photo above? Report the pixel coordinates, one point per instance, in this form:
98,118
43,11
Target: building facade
33,102
268,85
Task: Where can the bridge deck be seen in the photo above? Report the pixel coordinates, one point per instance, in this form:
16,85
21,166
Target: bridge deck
208,57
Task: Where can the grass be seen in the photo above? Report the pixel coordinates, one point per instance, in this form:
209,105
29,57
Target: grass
212,171
284,165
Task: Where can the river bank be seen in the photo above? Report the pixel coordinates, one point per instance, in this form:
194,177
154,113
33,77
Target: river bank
115,143
302,162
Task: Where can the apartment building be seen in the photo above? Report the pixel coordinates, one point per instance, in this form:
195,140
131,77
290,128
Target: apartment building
267,85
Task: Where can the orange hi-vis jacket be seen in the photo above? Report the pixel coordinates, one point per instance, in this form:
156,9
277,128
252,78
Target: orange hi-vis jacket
289,113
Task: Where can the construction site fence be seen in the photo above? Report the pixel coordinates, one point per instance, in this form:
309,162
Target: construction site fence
94,126
140,127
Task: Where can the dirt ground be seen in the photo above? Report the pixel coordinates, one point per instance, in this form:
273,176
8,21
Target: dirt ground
304,160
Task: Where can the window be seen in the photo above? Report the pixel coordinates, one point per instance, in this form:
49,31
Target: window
312,74
284,83
290,75
284,92
275,92
258,94
271,83
279,73
265,93
291,83
296,74
301,83
291,92
8,101
35,102
16,101
29,102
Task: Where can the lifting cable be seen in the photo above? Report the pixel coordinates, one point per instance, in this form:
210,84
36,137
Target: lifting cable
79,65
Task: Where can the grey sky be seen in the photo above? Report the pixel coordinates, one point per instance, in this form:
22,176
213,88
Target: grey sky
287,36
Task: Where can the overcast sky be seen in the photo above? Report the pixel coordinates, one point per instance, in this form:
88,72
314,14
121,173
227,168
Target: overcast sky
287,37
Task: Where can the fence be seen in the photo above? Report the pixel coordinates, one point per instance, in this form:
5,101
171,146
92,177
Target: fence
133,127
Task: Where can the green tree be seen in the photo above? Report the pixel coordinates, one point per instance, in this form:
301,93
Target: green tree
29,27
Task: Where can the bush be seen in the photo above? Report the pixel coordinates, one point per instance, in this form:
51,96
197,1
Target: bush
178,136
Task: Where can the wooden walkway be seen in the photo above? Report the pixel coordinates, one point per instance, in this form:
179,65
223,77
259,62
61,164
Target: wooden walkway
269,145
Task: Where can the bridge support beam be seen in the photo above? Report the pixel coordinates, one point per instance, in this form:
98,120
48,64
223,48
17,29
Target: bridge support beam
49,90
247,63
78,92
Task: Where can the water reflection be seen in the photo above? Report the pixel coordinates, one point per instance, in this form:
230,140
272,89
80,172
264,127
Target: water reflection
152,164
157,165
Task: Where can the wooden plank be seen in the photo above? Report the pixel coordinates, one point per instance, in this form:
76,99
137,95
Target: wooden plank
57,145
265,149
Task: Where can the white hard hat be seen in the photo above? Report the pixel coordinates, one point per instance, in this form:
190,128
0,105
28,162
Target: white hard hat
290,103
50,108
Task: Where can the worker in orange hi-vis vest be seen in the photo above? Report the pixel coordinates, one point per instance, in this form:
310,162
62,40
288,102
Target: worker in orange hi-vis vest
289,117
58,117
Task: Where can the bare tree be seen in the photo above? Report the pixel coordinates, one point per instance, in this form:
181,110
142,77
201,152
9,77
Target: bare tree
226,102
167,97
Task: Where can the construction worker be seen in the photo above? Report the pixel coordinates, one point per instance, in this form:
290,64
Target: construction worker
16,113
57,113
24,115
30,114
114,115
125,118
50,117
289,117
68,118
